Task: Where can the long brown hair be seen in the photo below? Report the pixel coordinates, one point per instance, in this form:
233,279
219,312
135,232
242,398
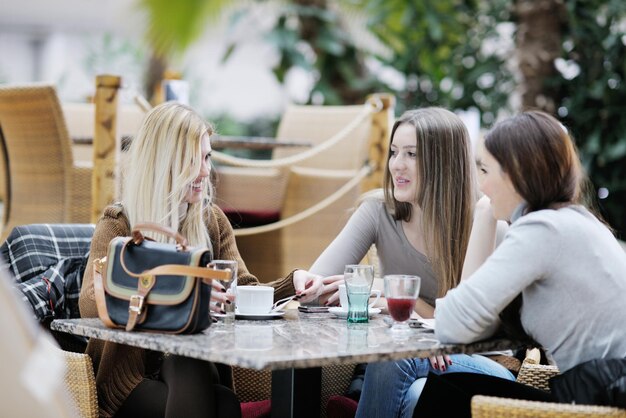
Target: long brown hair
536,152
446,189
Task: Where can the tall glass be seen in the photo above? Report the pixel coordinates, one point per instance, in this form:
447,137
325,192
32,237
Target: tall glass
230,285
401,292
359,279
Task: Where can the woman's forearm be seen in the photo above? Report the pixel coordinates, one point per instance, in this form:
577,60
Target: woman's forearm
482,240
424,310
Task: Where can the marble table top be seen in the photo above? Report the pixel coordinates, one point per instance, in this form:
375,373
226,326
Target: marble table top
297,340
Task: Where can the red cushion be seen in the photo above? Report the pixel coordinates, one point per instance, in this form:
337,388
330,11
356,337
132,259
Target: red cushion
258,409
341,407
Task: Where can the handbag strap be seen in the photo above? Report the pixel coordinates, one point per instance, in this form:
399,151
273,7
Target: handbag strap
151,226
175,269
179,270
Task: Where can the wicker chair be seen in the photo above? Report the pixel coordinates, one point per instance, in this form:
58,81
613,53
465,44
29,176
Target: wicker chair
287,191
81,383
534,374
492,407
43,182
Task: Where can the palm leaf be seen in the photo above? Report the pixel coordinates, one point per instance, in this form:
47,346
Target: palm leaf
174,25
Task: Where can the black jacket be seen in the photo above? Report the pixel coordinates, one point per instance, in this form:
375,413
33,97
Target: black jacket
596,382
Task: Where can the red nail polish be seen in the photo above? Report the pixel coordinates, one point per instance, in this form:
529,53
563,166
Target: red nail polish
443,368
449,362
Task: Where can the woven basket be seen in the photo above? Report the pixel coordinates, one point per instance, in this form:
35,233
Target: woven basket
536,375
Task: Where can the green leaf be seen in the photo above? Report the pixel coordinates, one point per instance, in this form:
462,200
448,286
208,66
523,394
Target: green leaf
174,25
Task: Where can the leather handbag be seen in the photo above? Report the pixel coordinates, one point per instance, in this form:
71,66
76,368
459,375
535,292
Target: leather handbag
151,286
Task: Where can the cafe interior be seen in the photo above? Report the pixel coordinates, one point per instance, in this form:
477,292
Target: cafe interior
71,103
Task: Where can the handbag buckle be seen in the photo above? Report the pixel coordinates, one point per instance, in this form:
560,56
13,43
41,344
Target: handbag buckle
136,304
99,264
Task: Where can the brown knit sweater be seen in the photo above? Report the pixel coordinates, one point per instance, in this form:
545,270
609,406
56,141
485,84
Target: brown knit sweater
119,368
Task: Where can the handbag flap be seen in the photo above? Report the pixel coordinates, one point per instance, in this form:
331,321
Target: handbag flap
168,289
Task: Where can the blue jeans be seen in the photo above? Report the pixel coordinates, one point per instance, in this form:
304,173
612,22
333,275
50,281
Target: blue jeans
391,389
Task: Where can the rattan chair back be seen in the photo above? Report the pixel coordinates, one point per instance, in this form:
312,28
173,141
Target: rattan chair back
493,407
316,124
80,382
44,185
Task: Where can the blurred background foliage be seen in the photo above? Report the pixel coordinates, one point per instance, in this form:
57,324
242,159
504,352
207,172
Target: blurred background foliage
591,92
563,56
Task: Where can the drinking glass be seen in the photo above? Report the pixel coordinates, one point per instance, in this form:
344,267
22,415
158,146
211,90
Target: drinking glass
359,279
401,292
230,285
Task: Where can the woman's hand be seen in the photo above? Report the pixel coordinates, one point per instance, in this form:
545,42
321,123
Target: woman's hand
330,296
440,362
311,286
219,296
308,285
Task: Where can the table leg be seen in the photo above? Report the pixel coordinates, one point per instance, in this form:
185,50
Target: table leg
296,392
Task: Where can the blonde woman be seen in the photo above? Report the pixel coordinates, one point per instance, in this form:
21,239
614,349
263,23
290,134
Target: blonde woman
167,182
422,227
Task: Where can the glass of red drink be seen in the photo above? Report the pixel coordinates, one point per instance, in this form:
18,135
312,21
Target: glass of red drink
401,292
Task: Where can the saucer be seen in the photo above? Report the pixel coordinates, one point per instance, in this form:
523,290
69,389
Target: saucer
258,317
340,312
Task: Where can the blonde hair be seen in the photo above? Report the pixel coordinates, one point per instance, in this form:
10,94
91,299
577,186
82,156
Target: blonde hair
164,159
446,190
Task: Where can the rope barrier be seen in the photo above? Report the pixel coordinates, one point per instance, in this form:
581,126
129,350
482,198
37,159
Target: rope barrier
368,109
365,171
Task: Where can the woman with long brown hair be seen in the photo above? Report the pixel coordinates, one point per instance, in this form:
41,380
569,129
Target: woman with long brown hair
564,262
421,226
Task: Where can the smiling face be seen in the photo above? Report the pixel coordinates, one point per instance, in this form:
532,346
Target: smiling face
403,165
497,185
195,191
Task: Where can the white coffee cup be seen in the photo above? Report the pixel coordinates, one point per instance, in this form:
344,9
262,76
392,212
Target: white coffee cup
343,297
254,300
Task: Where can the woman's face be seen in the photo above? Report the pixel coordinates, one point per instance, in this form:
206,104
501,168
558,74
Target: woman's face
402,164
497,185
195,191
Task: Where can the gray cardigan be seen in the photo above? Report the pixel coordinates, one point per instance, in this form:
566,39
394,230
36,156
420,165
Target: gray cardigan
371,224
571,272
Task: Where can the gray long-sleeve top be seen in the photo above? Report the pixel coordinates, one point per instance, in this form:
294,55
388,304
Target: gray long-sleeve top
571,272
371,224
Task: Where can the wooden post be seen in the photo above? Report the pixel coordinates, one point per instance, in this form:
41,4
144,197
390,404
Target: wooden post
105,145
382,121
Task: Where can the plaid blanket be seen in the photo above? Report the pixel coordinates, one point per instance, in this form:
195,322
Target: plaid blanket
48,262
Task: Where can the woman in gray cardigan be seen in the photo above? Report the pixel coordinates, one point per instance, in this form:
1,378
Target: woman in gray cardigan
421,226
566,264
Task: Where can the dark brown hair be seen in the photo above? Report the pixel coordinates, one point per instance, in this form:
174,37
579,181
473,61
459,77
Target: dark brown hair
446,189
536,152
